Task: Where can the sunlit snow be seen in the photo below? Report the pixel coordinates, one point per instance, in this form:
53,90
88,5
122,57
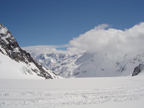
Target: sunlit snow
112,92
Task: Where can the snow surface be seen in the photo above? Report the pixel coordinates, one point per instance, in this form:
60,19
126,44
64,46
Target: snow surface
104,92
10,69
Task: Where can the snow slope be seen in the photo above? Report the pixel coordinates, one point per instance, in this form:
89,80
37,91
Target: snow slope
103,92
10,69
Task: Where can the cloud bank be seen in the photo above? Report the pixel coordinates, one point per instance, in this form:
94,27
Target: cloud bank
109,40
102,39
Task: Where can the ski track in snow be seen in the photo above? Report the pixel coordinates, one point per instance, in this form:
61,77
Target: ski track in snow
11,98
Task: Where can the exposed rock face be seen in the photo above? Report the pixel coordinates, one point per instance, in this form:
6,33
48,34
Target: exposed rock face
138,69
10,47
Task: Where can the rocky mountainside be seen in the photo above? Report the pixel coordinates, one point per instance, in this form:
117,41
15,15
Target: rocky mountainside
88,64
9,47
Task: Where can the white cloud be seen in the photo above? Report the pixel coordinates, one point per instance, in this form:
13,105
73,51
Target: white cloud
46,46
103,39
111,40
36,50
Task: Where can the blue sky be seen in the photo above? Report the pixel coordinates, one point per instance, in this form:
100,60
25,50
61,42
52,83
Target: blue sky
56,22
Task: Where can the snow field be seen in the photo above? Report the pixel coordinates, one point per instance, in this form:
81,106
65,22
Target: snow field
72,93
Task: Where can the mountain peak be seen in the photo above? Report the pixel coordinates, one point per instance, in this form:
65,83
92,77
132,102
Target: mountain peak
10,47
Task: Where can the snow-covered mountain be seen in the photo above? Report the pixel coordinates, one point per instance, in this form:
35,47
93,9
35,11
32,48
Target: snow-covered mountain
60,62
87,64
16,62
105,65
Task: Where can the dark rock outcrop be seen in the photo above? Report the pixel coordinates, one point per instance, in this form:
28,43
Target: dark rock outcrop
138,69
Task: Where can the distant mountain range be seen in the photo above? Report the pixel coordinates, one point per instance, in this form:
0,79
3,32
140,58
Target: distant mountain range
16,62
66,64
